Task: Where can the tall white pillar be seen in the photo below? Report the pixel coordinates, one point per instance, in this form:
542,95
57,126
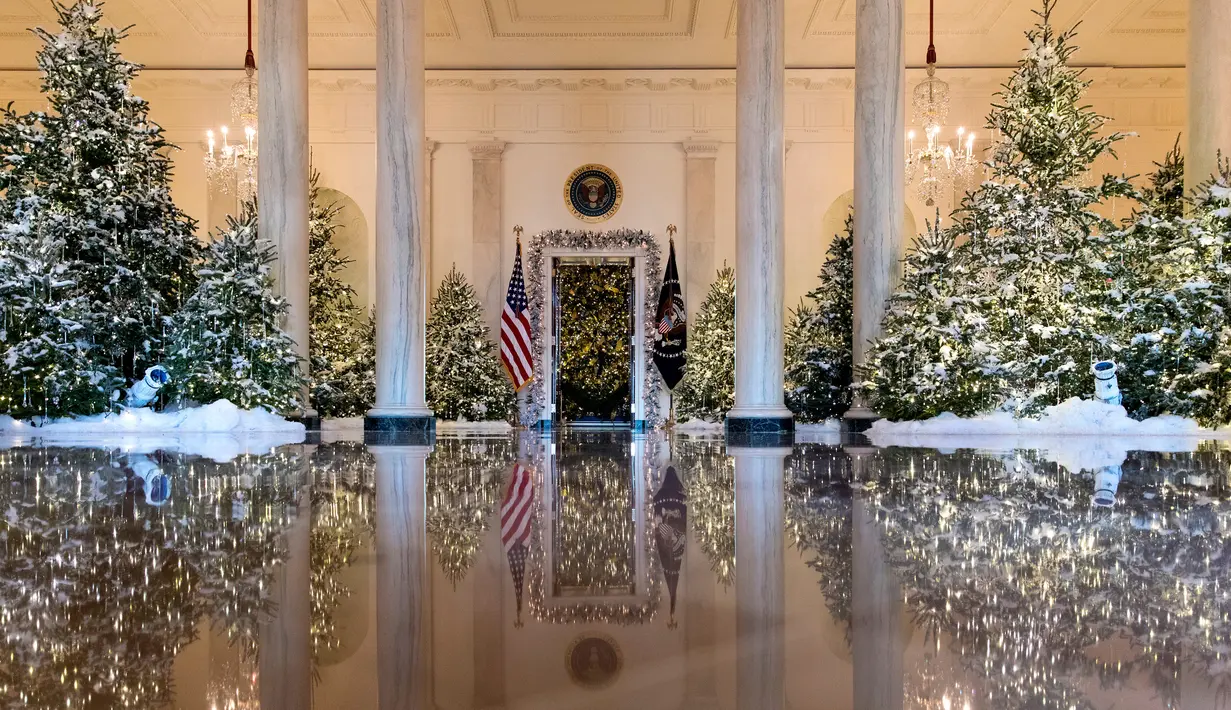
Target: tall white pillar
696,259
880,187
282,171
286,639
1209,89
491,587
487,220
760,596
401,269
760,215
403,579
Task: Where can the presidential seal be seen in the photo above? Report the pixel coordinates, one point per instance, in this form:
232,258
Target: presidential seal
594,661
593,193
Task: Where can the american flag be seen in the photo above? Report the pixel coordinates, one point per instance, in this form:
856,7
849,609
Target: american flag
516,513
515,330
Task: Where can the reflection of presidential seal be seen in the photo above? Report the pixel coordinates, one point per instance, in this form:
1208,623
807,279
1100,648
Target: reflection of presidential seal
594,661
593,193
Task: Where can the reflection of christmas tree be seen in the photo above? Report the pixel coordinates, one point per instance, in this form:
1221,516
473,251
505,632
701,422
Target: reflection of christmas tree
100,590
464,485
594,545
709,478
343,520
818,517
1005,557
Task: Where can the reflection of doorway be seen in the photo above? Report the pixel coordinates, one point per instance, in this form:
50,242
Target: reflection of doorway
593,303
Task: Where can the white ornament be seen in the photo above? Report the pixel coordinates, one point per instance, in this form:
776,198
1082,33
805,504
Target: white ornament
1106,384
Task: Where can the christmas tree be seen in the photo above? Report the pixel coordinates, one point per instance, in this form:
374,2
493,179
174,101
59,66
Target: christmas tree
227,343
1168,291
1034,232
708,389
90,179
51,363
341,343
928,359
818,338
464,376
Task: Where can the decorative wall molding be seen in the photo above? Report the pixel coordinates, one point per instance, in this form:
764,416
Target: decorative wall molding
699,148
487,149
506,21
693,108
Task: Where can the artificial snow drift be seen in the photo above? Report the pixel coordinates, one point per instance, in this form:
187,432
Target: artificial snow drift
220,430
1078,434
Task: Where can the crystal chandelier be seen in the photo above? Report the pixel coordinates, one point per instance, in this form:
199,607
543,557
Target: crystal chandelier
232,166
935,167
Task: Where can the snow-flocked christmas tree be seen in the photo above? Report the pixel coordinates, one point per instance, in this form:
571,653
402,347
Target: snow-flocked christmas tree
465,379
707,391
928,360
227,342
104,256
1036,245
818,338
341,336
1168,288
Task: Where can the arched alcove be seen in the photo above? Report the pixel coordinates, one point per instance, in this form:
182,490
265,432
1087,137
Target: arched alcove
835,217
351,239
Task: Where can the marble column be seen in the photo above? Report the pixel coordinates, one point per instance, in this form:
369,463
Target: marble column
880,188
487,220
282,171
401,270
696,259
878,645
760,595
403,579
760,215
286,639
1209,89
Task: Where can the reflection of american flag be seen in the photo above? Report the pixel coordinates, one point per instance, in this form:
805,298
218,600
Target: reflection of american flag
515,329
516,512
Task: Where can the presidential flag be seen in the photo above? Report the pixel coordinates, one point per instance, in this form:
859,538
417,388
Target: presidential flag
516,514
671,326
515,329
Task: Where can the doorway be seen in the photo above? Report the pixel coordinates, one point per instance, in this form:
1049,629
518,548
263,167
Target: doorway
593,299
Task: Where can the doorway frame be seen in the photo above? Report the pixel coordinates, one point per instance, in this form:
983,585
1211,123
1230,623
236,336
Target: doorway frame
539,406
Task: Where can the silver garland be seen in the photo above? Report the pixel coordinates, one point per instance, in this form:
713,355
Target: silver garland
647,246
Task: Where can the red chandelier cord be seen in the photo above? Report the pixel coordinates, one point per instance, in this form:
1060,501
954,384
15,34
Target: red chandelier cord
249,58
931,45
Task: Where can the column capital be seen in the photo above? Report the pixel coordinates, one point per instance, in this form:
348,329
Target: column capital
701,148
487,149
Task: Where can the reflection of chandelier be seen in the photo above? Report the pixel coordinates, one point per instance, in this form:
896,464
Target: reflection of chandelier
232,167
935,167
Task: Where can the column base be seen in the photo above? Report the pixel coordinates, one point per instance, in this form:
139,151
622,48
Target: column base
399,427
858,419
757,432
310,419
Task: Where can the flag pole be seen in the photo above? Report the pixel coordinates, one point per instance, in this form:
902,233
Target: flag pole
671,230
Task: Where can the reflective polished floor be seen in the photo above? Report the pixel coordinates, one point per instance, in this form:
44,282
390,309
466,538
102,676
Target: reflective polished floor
601,570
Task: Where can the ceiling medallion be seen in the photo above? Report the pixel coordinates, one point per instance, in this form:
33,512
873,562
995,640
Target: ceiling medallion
593,193
594,661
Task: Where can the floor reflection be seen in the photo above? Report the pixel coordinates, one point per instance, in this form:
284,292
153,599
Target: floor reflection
606,570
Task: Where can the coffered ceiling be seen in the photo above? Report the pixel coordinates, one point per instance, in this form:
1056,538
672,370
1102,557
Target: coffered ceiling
522,34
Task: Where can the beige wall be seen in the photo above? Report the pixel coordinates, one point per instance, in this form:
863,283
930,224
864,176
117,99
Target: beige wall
634,122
